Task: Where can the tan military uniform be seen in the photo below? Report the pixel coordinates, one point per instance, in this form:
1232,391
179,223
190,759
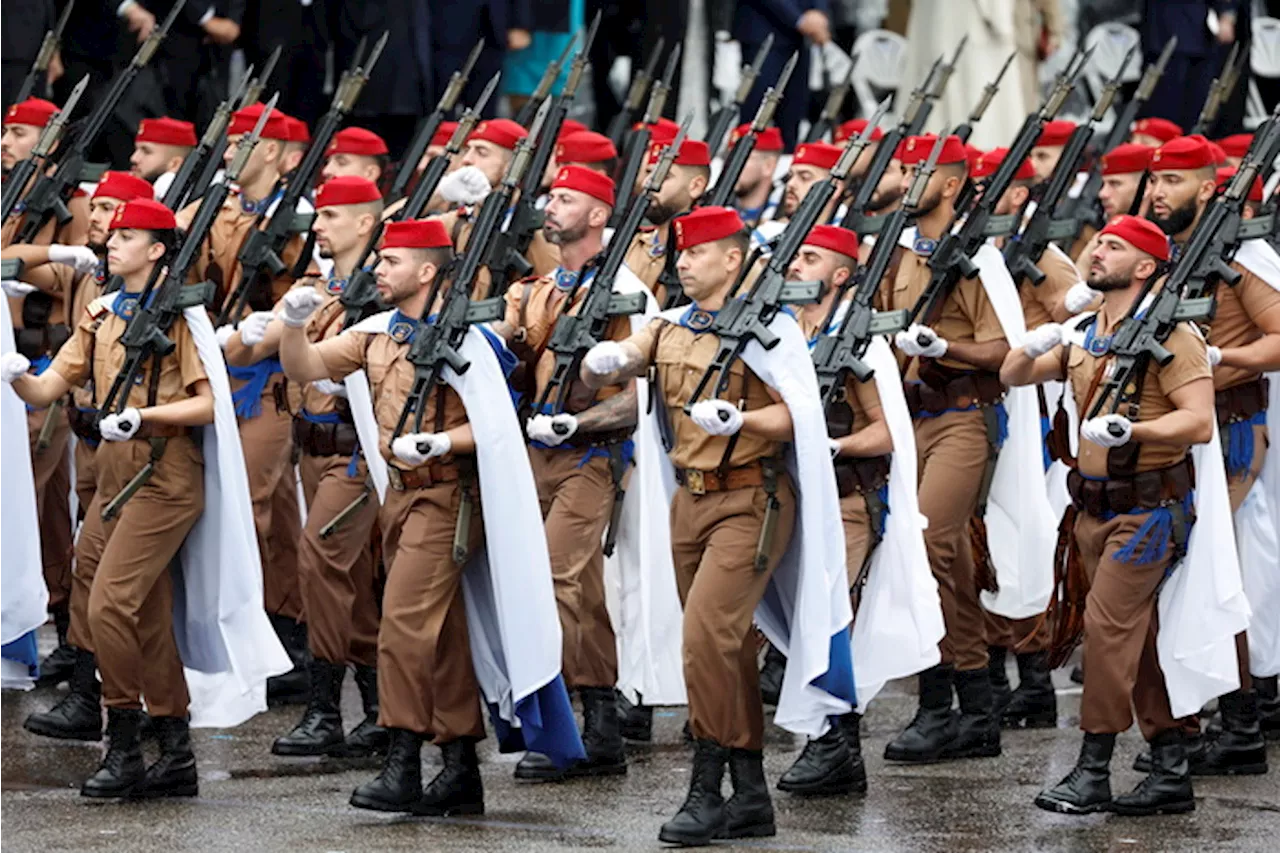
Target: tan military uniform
122,577
459,222
86,291
716,519
646,257
426,682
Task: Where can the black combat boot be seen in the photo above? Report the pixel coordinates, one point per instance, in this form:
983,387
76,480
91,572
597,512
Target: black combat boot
1033,705
1087,788
61,662
934,728
367,738
174,773
78,715
635,721
122,770
826,766
601,734
1268,692
775,665
979,735
1239,749
457,788
398,788
749,812
702,816
851,725
996,658
1167,789
319,731
1197,742
290,688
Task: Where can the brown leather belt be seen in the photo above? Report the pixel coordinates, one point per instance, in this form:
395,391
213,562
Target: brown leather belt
963,392
1120,495
1242,402
588,440
315,439
702,482
431,474
860,476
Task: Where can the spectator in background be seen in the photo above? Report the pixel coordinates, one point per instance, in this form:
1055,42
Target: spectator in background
25,23
621,34
1198,58
794,24
554,23
1038,30
302,29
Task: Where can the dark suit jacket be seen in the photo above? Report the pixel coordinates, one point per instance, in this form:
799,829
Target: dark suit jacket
1186,20
755,19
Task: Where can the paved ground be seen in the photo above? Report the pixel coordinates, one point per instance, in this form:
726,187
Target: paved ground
253,801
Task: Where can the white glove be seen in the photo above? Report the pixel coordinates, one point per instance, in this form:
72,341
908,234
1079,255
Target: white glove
467,185
299,304
551,430
717,417
120,427
416,448
1079,297
1040,340
1099,430
920,342
84,259
833,445
328,386
1215,356
605,358
17,289
224,334
13,365
254,327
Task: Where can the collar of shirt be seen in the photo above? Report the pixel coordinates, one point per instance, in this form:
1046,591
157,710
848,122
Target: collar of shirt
565,279
257,208
696,320
125,304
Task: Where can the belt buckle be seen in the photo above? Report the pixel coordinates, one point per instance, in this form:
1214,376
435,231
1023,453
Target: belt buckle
393,474
695,482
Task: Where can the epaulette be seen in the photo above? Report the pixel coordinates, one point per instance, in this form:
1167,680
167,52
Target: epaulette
100,307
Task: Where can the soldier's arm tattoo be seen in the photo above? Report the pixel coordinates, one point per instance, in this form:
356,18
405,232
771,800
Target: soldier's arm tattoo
617,412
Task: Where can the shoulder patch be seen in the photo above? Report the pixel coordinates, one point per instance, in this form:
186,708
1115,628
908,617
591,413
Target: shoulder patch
100,307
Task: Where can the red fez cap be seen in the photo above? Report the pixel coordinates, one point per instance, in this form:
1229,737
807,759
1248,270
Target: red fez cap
1141,233
585,180
1236,145
833,237
769,139
915,149
1226,173
1185,152
358,141
167,131
989,161
123,186
277,126
971,155
818,154
693,152
502,132
706,225
1127,158
298,130
1159,128
444,133
346,189
33,111
569,126
852,128
1056,132
144,213
415,234
585,146
1219,155
663,131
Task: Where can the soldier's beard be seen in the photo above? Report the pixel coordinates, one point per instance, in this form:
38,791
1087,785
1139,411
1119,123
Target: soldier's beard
741,191
661,214
99,249
1107,283
1178,220
564,235
881,200
928,205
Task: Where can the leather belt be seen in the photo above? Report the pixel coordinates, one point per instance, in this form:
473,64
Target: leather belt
1120,495
431,474
84,424
584,441
702,482
1242,402
861,476
962,392
316,439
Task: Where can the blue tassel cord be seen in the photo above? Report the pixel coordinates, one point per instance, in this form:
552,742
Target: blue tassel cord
248,398
1157,534
1240,445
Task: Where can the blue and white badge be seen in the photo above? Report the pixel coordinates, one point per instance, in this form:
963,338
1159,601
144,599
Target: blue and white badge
335,286
924,246
401,331
565,279
698,320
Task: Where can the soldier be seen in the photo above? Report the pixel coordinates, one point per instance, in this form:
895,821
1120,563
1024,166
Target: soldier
586,148
1235,147
690,174
159,149
123,565
754,191
22,125
296,142
358,152
580,457
1122,171
1131,477
335,570
953,392
1048,148
1153,132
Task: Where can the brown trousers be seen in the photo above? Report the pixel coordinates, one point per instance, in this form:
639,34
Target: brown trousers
576,500
267,442
952,451
1121,668
713,543
1023,636
858,536
336,574
52,471
426,682
86,475
122,574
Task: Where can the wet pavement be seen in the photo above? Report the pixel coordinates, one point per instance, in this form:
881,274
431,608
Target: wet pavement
253,801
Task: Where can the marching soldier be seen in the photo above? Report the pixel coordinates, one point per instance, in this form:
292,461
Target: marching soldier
754,190
1048,148
1122,171
22,125
1153,132
650,255
159,148
812,162
123,564
1235,147
1131,490
357,152
584,148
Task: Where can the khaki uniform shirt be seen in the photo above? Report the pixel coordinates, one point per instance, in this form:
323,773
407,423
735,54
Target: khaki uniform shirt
862,397
1043,303
1233,324
324,324
646,256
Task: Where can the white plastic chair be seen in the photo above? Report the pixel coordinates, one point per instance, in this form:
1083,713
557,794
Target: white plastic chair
1110,42
882,59
1264,60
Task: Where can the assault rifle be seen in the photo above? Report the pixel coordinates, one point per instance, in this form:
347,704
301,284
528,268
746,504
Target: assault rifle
737,160
1220,91
727,116
252,92
831,109
48,198
38,76
635,96
261,254
23,171
965,130
214,139
161,302
637,147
